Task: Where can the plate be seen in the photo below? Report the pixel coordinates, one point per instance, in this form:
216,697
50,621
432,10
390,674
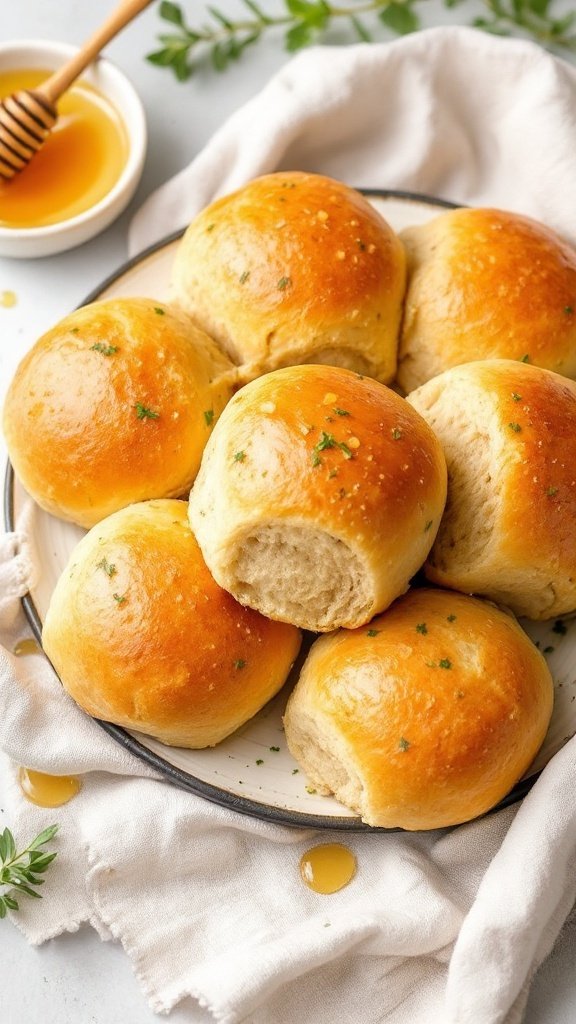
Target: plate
252,771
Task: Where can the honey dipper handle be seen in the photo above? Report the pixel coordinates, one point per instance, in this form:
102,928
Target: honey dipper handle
59,82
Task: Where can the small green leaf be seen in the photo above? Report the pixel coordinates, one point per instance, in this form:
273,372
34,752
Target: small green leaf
221,18
162,58
2,908
297,37
43,861
44,837
11,903
171,12
21,887
361,30
400,18
10,845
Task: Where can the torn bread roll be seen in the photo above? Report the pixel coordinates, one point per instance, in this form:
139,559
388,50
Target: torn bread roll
142,636
486,284
294,268
114,405
508,431
318,497
425,718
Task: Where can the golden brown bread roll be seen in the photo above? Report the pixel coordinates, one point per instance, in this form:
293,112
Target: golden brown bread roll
486,284
509,529
318,497
114,405
427,717
294,268
140,634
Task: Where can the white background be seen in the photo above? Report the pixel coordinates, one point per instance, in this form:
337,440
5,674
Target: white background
76,979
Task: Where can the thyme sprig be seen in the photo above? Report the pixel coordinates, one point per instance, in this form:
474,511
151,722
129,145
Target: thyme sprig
304,22
20,870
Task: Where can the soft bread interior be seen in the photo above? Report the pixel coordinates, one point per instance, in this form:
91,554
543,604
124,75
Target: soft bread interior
301,575
471,437
319,750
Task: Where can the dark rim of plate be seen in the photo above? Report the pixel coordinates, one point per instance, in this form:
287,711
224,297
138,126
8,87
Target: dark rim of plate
178,776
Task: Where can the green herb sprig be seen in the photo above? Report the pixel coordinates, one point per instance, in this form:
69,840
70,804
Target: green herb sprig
304,22
20,871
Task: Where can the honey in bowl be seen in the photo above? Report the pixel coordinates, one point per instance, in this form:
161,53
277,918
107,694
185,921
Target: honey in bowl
79,163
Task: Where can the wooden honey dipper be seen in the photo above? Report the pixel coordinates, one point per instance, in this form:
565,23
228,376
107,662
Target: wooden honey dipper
28,116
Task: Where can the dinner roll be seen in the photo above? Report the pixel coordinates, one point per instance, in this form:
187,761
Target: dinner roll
140,634
483,284
294,268
114,405
318,497
425,719
509,530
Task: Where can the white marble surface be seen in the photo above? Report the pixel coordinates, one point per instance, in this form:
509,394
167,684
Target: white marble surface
77,979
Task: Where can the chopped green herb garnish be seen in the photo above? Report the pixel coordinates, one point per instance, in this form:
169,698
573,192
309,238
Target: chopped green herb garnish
524,359
326,441
244,276
295,771
119,598
259,760
341,412
428,525
332,474
373,632
515,427
548,650
145,414
345,450
396,433
451,618
551,491
239,663
316,460
403,744
209,417
444,663
568,310
284,282
459,694
311,790
104,564
74,330
210,227
159,311
422,628
516,397
239,456
275,750
105,350
560,627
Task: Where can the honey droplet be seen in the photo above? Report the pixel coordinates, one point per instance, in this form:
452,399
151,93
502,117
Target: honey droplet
47,790
8,299
328,867
27,646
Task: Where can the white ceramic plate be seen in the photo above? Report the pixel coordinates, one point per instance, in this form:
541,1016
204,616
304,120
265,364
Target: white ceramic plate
252,770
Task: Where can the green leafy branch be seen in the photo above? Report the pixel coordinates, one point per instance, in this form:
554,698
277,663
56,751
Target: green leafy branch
304,21
20,870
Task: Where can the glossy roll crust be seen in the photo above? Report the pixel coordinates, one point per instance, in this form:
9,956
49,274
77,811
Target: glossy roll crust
319,496
509,530
114,405
427,717
294,268
486,284
140,634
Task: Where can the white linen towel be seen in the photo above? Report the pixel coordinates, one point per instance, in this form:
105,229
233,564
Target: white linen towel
439,928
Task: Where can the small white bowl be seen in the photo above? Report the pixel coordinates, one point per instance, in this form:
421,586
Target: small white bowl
112,83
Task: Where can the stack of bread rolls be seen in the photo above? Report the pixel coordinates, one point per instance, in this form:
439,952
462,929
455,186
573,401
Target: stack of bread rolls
319,498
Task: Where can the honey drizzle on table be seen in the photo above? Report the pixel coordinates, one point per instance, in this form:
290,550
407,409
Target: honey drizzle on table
47,790
328,867
27,646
